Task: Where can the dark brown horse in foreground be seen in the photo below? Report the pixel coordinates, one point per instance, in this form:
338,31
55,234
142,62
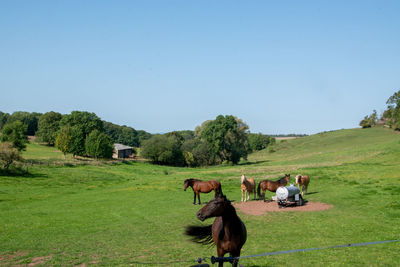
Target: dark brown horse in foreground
271,185
202,186
228,231
302,182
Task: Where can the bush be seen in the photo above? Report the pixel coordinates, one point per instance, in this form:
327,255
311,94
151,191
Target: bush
8,154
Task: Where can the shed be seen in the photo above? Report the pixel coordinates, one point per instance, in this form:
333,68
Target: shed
122,151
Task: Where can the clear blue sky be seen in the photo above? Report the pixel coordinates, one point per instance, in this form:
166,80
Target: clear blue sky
159,66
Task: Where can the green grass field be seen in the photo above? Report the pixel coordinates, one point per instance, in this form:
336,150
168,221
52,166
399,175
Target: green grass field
134,214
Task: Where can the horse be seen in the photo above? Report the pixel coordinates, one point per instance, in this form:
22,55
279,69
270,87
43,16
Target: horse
271,185
202,186
248,186
302,182
228,232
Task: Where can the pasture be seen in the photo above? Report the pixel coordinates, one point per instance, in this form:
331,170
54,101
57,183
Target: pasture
133,213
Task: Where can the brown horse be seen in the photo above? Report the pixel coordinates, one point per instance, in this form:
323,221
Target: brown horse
228,232
302,182
203,187
248,186
271,185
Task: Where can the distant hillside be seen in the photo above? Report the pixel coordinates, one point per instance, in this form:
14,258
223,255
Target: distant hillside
332,148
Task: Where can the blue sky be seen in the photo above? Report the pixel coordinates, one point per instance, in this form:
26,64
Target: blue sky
159,66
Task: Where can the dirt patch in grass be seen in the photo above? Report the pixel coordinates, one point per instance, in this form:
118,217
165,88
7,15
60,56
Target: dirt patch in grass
261,207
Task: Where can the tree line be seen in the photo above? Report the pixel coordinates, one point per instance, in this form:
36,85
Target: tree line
390,116
223,140
80,133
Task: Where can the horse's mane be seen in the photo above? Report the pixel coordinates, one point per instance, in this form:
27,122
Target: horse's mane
193,180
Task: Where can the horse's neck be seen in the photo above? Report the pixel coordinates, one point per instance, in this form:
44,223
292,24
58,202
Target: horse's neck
229,213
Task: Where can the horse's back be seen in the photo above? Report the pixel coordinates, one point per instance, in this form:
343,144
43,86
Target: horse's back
208,186
305,180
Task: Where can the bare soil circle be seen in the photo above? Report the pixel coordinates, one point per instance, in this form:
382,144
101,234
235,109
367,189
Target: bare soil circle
261,207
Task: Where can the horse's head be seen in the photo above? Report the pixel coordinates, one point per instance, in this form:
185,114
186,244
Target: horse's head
243,178
186,183
287,178
213,208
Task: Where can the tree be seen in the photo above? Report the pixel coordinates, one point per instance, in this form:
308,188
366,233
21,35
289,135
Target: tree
69,140
99,145
8,154
369,121
82,123
258,141
3,119
227,136
30,120
14,133
48,126
393,113
122,134
64,140
164,150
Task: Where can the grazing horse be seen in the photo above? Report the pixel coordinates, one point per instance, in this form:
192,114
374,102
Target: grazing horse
271,185
248,186
227,232
203,187
302,182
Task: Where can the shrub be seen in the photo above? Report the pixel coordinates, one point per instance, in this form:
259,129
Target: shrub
8,154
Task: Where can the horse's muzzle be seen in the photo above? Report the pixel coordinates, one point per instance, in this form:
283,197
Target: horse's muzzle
200,216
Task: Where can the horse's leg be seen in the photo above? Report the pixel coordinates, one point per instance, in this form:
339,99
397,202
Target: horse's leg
198,196
220,253
241,199
194,200
264,195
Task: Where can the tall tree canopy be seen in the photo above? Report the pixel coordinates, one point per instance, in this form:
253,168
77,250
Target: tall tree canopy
48,126
15,134
227,136
82,123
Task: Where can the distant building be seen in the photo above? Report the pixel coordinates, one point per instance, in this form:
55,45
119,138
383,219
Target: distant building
122,151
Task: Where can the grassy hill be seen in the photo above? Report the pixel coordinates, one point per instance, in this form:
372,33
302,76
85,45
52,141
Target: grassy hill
83,212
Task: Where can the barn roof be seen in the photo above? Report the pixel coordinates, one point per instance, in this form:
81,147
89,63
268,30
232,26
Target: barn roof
121,147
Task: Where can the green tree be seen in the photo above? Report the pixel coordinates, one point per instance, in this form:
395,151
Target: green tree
143,136
82,123
64,140
99,145
30,120
48,126
69,140
369,121
3,119
14,133
164,150
393,113
227,136
8,154
258,141
122,134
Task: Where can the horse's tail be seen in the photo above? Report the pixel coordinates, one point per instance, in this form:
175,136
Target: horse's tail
258,190
200,234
